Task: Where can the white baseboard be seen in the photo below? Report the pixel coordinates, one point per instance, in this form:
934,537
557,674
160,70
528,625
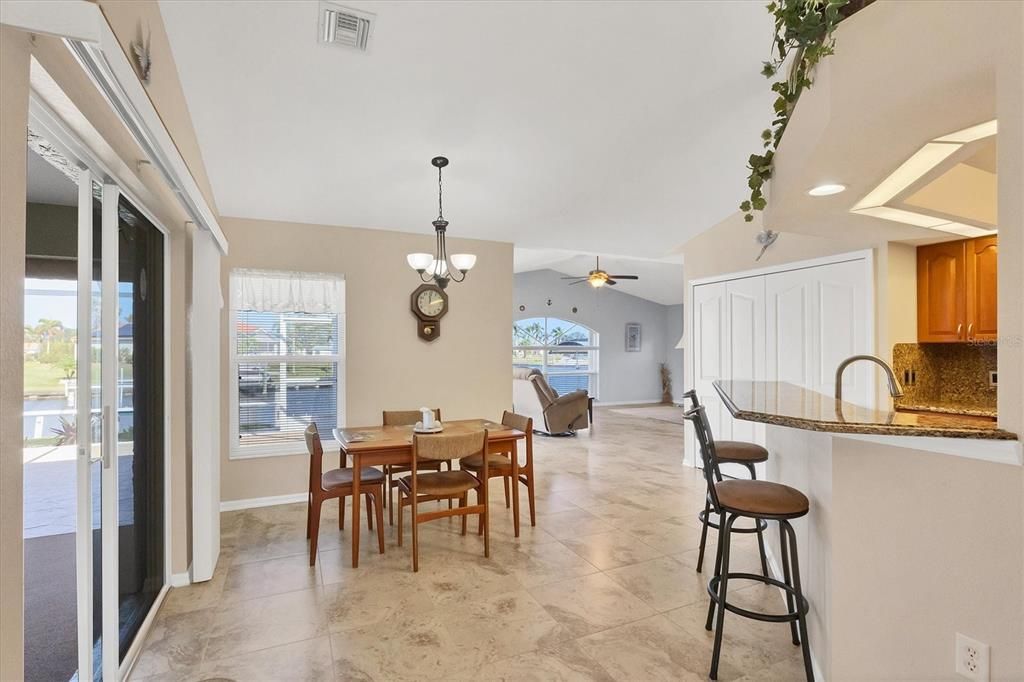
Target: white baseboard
776,572
253,502
181,579
599,403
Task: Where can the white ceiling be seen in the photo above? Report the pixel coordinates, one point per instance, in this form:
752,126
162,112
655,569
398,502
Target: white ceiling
613,126
660,280
47,185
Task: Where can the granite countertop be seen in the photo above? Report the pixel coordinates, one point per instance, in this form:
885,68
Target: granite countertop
784,404
948,409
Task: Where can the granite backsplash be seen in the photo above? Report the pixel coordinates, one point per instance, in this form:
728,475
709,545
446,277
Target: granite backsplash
950,376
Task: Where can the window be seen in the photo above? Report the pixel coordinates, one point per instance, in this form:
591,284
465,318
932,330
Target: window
287,359
565,352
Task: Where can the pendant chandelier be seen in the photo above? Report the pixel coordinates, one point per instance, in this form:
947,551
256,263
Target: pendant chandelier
437,266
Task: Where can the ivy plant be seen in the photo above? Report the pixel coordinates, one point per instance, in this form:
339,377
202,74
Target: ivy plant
803,35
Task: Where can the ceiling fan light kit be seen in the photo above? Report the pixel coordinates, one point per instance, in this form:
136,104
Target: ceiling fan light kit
598,278
439,267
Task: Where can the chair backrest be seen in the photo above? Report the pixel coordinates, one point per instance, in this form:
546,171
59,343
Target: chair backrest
521,423
706,443
691,395
406,417
546,394
444,446
316,455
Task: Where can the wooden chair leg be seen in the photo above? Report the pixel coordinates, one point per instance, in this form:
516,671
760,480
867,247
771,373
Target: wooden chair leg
533,500
378,509
415,537
309,513
314,530
391,500
391,508
465,518
479,518
487,523
508,499
341,512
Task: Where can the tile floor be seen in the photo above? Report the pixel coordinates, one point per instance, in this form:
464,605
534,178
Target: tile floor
603,588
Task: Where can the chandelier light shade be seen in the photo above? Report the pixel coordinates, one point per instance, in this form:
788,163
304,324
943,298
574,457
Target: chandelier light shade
438,266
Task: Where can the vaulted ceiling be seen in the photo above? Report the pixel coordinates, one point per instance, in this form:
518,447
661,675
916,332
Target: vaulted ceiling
618,127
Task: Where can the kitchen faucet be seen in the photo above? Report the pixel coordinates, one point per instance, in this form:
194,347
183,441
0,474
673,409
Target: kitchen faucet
895,389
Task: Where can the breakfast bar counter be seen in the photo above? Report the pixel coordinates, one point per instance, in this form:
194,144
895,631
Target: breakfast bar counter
895,498
784,404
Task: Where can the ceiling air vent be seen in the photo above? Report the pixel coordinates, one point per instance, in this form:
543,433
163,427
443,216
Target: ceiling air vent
345,26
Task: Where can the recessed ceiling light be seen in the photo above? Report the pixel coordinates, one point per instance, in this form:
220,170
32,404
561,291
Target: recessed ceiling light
825,190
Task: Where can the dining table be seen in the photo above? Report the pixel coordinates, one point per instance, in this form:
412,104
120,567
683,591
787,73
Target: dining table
382,445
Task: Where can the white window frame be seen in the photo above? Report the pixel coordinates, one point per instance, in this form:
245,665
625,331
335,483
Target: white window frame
235,449
592,375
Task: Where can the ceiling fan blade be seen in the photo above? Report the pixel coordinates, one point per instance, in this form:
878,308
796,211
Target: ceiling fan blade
579,281
576,277
624,276
610,281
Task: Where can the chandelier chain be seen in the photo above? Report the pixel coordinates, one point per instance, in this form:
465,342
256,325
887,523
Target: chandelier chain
440,210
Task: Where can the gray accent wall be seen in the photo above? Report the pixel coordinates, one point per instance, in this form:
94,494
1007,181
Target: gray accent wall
622,377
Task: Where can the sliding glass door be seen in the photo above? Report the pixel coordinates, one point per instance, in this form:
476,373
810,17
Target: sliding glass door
94,443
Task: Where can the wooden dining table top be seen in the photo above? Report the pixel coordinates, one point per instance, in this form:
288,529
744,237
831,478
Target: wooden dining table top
356,440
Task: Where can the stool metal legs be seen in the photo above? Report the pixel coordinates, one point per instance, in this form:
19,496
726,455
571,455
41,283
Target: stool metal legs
796,605
759,526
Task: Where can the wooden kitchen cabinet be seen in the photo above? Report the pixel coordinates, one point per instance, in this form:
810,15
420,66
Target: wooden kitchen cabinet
982,254
956,291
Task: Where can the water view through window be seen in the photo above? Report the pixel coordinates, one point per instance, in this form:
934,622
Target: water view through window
564,352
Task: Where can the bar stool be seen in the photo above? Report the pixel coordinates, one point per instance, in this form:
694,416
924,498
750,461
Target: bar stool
731,452
757,500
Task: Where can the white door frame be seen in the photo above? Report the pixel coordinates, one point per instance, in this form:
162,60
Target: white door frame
46,122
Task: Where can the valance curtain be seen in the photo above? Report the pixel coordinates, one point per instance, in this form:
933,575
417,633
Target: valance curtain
275,291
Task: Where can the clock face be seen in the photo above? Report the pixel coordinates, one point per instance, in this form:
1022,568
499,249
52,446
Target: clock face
430,302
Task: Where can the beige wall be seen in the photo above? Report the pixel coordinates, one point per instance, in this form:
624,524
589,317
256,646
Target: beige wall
923,546
14,60
466,372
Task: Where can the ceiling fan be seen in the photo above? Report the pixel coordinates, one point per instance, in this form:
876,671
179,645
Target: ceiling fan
598,278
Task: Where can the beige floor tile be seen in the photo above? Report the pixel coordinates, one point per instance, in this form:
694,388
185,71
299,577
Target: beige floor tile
268,577
175,644
612,549
590,603
663,583
573,523
308,660
264,622
652,650
565,662
539,564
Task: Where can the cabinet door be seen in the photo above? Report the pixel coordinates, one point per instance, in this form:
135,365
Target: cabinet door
941,292
790,330
982,254
842,307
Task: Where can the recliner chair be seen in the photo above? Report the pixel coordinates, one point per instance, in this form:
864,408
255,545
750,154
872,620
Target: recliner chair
532,396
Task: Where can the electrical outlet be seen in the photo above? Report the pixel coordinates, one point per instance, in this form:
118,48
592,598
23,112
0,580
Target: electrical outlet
993,379
971,658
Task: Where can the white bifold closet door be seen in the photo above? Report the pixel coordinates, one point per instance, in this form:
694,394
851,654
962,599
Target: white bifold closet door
795,326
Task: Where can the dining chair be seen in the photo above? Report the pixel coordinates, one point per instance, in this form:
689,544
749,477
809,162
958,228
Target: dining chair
401,418
337,483
501,465
453,484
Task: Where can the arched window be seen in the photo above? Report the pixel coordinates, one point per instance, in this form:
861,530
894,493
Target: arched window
565,352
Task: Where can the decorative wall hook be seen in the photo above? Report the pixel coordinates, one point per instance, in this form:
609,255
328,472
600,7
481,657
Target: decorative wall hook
140,48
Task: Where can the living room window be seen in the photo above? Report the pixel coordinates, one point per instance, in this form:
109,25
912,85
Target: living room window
565,352
287,359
